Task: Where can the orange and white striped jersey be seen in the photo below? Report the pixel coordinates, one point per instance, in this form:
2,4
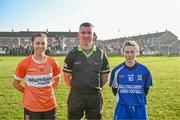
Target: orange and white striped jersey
38,90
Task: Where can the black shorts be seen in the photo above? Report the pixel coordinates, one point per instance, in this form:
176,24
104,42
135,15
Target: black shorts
78,103
48,115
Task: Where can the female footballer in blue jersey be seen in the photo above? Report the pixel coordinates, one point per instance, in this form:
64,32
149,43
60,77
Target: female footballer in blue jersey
130,82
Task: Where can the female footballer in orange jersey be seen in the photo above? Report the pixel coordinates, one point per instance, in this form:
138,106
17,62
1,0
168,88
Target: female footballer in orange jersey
41,74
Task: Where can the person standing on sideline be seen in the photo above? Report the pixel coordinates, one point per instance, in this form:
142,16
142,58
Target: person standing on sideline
86,71
130,82
41,74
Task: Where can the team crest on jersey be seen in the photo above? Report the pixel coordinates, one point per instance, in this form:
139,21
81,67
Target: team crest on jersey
139,77
41,69
49,67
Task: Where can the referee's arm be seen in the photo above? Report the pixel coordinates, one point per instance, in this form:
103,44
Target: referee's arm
105,79
67,78
67,69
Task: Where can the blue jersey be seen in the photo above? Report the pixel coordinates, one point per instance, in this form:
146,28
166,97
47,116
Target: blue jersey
130,83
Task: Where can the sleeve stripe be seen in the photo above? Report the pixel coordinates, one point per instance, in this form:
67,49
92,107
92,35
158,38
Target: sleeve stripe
115,83
66,70
105,71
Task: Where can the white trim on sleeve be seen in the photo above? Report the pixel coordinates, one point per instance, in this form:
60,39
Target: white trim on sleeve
17,78
59,75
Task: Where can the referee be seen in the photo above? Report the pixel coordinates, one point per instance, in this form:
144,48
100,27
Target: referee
86,70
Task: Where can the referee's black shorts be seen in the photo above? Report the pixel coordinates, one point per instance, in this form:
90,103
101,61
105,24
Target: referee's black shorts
79,103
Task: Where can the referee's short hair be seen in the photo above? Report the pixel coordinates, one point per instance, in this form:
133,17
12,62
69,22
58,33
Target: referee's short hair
86,24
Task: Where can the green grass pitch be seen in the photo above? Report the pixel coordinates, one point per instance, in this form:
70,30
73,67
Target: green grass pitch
163,98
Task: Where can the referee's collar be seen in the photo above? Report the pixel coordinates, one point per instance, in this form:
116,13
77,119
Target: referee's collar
81,49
